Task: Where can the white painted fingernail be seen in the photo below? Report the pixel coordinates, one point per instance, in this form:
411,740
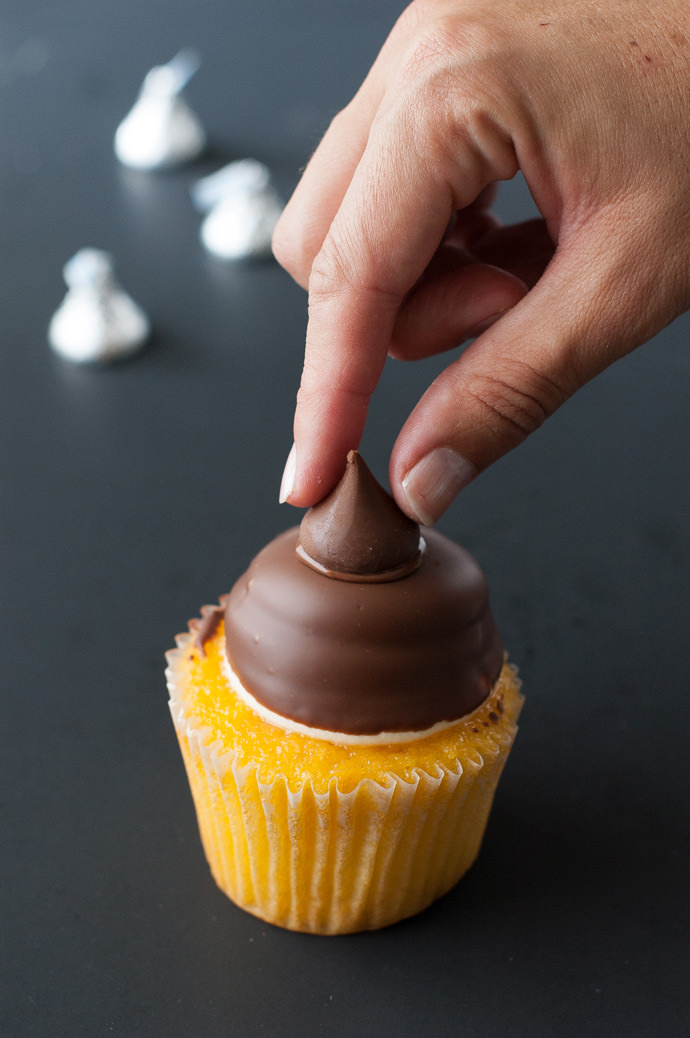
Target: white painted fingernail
434,482
287,483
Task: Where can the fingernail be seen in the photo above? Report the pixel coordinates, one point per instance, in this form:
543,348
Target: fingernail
484,326
434,482
287,483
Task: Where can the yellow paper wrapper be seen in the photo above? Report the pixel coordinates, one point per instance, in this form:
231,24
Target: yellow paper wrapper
328,853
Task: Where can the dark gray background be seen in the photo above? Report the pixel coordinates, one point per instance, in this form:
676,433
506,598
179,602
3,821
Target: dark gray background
132,495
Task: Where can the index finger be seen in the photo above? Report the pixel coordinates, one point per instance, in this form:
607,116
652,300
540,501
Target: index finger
390,223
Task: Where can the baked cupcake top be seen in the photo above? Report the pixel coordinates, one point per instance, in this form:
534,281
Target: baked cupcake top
357,623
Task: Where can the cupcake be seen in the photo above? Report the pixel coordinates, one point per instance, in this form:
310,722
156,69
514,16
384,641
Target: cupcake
344,715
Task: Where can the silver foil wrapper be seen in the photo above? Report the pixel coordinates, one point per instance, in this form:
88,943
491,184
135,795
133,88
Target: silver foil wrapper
97,321
242,208
161,130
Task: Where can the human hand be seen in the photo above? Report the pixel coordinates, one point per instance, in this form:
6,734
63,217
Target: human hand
391,232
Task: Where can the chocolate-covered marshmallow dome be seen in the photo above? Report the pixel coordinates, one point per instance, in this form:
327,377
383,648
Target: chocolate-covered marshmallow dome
357,623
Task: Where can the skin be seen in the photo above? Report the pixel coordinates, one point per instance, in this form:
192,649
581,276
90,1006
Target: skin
390,228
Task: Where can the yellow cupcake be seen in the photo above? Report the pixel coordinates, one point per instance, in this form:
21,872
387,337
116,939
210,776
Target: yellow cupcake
327,838
320,829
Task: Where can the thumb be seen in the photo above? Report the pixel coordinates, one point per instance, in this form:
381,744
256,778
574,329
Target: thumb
590,307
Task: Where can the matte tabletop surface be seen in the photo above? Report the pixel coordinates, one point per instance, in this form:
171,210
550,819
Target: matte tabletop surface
131,495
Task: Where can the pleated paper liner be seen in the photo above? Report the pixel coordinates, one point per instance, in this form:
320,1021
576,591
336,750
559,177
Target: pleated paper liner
372,835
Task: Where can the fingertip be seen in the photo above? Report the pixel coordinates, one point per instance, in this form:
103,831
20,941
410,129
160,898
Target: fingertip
308,480
426,487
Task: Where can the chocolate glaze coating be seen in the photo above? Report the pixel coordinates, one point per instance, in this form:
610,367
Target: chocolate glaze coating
205,628
359,657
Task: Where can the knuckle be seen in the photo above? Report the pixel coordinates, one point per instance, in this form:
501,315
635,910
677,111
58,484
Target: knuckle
291,249
519,400
322,382
452,69
331,270
345,269
283,246
414,15
428,50
467,47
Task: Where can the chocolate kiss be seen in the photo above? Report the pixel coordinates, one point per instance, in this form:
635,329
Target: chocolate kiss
358,531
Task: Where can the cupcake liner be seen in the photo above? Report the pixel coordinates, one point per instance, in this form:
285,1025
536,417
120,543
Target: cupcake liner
335,861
